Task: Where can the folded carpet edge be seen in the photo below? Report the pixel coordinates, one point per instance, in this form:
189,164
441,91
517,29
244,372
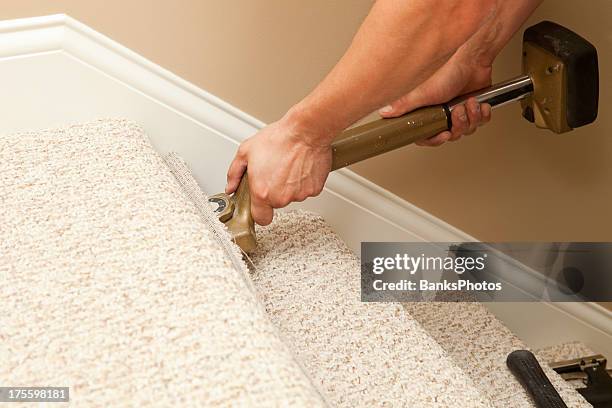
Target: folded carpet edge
182,173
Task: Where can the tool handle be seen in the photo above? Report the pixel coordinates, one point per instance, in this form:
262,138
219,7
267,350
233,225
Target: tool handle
351,146
241,225
384,135
528,371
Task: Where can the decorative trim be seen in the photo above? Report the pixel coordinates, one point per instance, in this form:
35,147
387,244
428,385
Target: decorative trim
61,33
596,316
393,209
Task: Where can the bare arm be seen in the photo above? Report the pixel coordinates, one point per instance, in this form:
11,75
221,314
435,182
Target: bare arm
467,70
398,46
427,50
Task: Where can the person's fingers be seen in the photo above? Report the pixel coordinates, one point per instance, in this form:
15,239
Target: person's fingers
237,169
262,212
436,140
234,174
474,115
404,104
279,200
460,122
485,109
465,117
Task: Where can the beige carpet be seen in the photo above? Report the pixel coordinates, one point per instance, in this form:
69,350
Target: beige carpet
318,310
361,355
119,283
564,351
115,286
479,343
358,352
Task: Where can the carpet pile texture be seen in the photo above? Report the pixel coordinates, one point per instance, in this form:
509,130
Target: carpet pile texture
479,343
119,282
319,298
361,355
114,286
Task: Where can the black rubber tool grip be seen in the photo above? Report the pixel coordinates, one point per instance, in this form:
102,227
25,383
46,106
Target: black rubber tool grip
580,59
526,368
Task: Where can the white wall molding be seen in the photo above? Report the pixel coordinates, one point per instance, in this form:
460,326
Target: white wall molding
48,59
62,33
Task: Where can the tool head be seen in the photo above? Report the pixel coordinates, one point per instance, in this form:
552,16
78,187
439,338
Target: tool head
235,212
563,68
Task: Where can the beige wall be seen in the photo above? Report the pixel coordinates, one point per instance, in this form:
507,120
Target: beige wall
507,182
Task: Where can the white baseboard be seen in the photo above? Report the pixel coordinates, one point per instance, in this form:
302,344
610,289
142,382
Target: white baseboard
57,70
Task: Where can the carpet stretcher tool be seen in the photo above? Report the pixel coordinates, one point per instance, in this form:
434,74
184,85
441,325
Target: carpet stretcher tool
591,369
558,90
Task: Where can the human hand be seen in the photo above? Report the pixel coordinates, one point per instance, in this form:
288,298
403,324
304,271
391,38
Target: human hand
284,165
454,78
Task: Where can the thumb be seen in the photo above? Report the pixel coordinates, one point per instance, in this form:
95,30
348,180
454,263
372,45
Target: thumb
406,103
234,174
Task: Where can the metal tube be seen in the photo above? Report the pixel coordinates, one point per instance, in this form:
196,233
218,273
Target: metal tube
499,94
384,135
370,140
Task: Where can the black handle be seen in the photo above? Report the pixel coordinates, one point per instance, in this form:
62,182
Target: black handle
526,368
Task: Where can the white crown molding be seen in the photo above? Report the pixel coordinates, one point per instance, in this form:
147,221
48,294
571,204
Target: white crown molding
63,34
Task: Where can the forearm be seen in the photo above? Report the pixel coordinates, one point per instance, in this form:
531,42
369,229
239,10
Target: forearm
400,44
491,38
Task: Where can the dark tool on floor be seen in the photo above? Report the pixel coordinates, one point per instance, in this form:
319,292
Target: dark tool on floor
558,90
592,370
528,371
